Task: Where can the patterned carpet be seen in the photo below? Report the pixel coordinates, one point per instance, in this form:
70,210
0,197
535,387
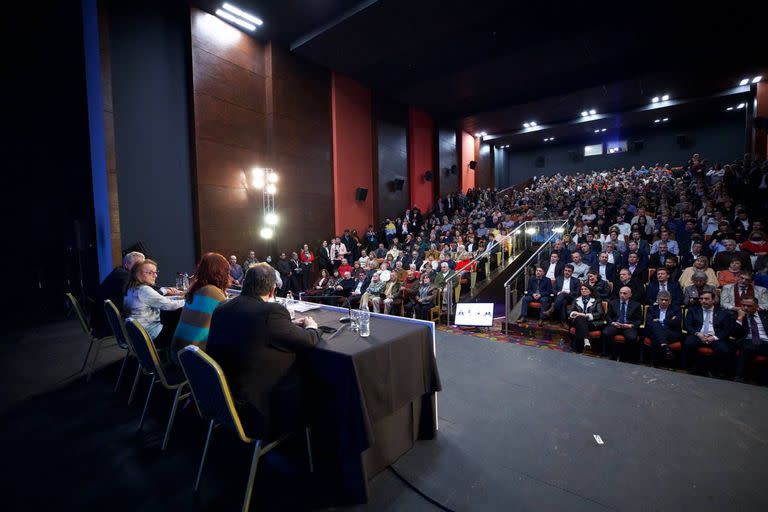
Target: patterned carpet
496,334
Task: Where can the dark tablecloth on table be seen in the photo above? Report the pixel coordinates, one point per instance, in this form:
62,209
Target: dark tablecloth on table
371,398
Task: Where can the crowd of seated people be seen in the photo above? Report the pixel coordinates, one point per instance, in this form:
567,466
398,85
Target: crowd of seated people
676,258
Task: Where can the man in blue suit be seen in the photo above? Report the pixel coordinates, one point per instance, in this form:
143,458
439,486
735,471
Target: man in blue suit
662,325
539,290
662,283
707,326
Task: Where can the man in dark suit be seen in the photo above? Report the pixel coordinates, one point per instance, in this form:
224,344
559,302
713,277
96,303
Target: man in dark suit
751,332
539,290
606,271
707,326
636,268
662,283
566,289
662,325
324,257
697,249
626,279
554,268
659,258
624,317
284,268
112,288
296,274
255,342
723,258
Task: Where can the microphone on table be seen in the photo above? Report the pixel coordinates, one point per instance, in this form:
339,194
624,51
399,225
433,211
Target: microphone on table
348,318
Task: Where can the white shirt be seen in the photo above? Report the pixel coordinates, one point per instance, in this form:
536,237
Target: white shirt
760,327
566,285
662,315
706,327
551,270
602,271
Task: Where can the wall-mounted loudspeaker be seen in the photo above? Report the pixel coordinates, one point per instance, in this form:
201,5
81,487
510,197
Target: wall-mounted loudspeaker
683,141
472,165
398,183
428,176
454,169
540,161
361,194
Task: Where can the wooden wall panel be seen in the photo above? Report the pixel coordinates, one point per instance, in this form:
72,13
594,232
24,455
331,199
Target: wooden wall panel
109,134
447,156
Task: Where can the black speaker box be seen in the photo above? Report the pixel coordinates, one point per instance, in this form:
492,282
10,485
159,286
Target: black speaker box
361,194
428,176
399,184
472,165
454,169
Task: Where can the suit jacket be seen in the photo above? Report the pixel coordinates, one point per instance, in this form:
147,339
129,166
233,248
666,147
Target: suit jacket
255,343
610,271
602,290
655,260
634,312
112,288
721,322
640,274
638,293
728,298
559,266
740,330
542,286
723,260
672,287
440,280
575,284
284,267
323,256
673,320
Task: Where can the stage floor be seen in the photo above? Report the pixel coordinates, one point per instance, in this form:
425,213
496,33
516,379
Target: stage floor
517,427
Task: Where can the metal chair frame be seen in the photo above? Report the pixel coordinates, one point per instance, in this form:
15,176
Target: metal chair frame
260,448
89,332
157,373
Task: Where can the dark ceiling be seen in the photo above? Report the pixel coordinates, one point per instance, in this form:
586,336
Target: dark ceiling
492,65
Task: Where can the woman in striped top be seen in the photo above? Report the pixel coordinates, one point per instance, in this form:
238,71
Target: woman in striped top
204,295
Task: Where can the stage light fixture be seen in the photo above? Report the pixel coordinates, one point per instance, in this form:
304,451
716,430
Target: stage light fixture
665,120
551,138
267,232
584,113
533,123
604,130
665,97
271,218
592,112
271,189
272,177
757,79
729,108
239,12
657,121
744,81
234,19
527,125
741,105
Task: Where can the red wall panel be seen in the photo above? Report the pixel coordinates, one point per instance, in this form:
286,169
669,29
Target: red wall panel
421,158
467,154
352,153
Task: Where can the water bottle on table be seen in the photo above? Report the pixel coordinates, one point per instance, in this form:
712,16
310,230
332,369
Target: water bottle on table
365,320
289,304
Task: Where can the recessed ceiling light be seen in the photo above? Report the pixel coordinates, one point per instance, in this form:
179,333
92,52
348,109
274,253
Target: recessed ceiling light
597,131
533,123
655,99
756,79
551,138
665,97
665,120
657,121
234,19
740,105
526,125
584,113
484,134
604,129
745,81
592,112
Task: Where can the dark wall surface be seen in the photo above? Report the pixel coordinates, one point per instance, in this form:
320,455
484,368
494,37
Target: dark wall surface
150,54
447,156
722,143
391,122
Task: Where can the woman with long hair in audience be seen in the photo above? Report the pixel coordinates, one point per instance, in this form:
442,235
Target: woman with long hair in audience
320,285
207,291
143,303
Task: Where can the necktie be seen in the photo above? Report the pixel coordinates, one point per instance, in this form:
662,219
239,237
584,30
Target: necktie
584,301
623,312
664,287
707,321
754,330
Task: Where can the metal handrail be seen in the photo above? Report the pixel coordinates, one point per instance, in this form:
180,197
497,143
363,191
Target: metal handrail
486,253
556,231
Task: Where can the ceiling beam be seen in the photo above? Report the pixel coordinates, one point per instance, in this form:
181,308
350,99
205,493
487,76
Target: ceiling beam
298,43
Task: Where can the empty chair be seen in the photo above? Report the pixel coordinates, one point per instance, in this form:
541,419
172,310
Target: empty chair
214,402
118,328
170,375
89,332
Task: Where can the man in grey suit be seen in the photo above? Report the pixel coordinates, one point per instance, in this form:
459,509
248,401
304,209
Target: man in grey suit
732,294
